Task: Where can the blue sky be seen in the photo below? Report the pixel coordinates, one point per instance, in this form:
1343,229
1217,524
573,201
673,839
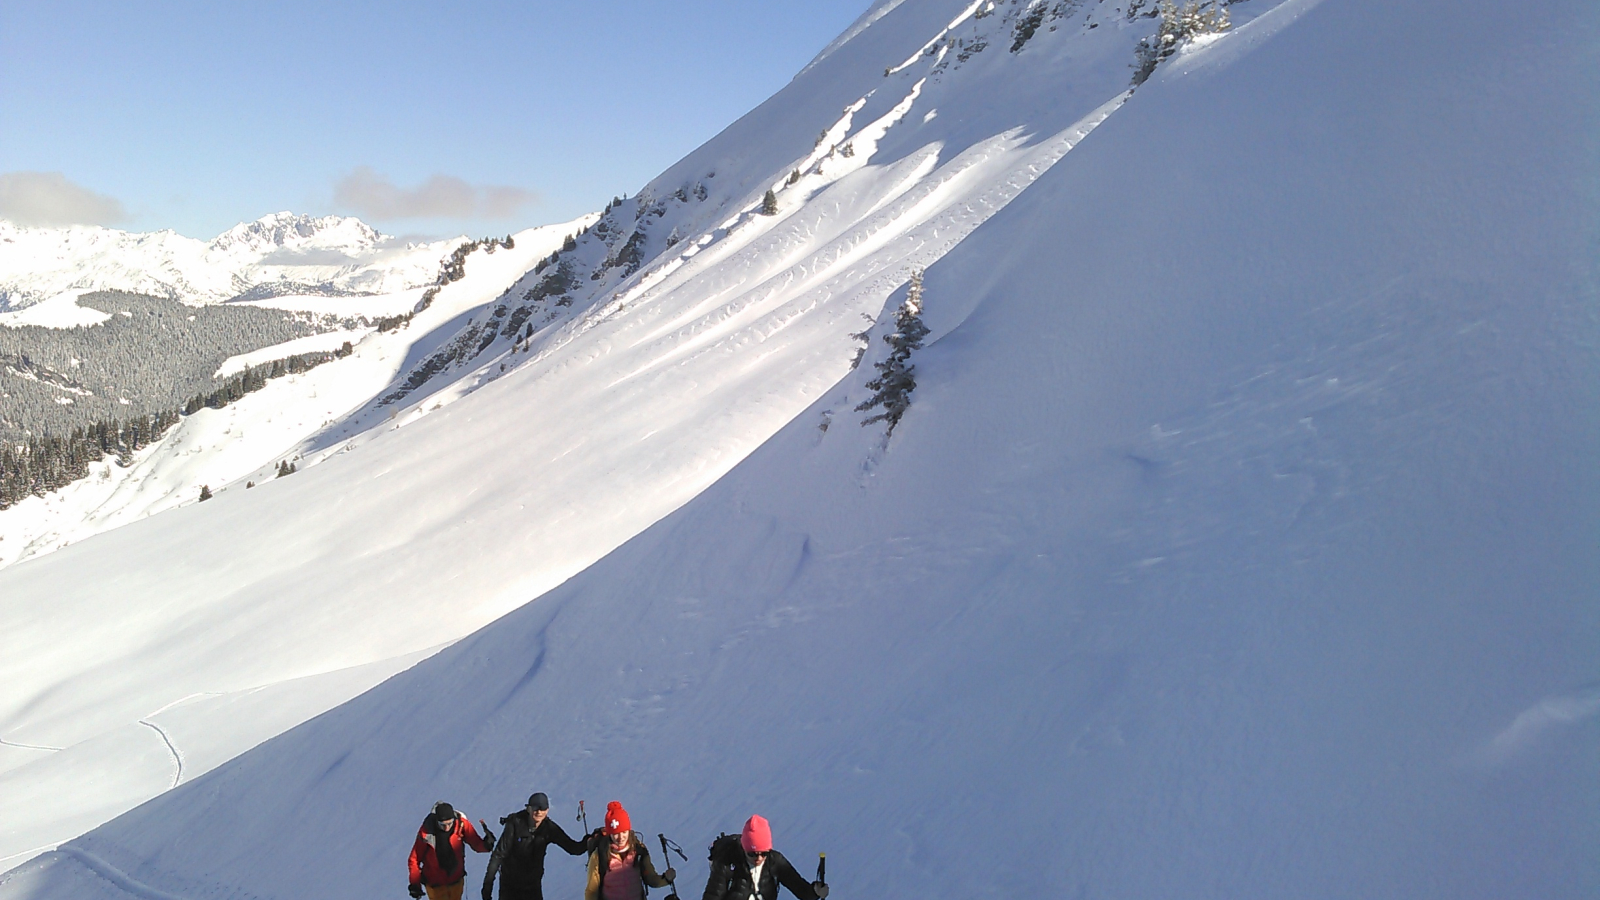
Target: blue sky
424,118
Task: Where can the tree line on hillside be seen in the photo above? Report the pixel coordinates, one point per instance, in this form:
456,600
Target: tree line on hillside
453,268
151,354
48,463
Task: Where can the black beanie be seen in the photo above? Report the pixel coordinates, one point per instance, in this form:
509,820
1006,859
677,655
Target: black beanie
443,810
539,801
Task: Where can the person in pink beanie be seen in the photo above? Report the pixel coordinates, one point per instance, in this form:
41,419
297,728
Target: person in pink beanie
747,868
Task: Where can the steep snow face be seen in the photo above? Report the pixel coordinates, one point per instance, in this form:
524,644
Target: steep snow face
277,254
1238,542
537,420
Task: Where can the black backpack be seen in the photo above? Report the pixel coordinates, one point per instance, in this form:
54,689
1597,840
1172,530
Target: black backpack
725,849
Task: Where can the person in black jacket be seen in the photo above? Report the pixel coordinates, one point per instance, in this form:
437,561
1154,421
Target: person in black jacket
519,855
747,868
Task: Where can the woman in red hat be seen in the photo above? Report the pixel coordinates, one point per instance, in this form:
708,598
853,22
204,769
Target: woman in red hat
747,868
619,865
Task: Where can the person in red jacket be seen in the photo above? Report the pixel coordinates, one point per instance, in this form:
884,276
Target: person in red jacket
437,862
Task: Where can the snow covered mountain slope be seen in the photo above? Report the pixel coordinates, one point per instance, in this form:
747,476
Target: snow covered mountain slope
544,424
275,255
1238,542
245,440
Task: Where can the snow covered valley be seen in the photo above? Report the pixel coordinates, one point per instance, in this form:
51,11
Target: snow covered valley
1239,540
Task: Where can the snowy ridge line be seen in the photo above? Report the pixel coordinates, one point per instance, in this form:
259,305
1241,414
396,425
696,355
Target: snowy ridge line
32,852
861,24
1228,46
811,165
645,288
813,181
836,268
965,15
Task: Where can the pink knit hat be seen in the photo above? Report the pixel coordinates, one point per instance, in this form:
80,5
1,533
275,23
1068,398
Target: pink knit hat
756,836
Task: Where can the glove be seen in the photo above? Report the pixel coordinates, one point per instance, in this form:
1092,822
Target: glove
488,841
820,889
670,874
416,892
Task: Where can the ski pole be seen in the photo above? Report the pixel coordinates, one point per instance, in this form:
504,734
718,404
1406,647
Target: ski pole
583,816
822,868
667,849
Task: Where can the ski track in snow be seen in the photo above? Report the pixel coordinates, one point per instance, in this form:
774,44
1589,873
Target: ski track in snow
177,758
116,877
30,746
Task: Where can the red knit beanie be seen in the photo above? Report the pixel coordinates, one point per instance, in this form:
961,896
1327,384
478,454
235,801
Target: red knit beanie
756,836
617,819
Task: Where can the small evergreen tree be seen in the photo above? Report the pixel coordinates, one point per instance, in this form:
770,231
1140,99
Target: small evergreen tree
769,204
865,337
895,382
205,492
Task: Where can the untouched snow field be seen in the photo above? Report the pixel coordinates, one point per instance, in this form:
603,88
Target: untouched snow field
1239,541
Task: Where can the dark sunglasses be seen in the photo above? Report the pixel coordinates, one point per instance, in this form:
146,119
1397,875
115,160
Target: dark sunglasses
759,854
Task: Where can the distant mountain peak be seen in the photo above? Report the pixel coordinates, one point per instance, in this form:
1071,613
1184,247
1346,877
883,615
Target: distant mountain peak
287,229
284,250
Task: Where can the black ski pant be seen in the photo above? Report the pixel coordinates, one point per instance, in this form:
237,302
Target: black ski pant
522,892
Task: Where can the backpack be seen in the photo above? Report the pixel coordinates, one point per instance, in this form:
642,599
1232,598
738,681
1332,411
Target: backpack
724,848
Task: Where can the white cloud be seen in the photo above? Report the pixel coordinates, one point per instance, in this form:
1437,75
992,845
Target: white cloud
373,196
49,199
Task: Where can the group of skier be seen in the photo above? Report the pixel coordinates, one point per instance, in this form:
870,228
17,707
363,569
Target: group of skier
743,866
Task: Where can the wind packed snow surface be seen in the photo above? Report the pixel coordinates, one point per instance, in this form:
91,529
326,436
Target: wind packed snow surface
1239,540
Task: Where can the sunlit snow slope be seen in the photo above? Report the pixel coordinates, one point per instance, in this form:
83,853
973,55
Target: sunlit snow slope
537,416
245,440
1239,542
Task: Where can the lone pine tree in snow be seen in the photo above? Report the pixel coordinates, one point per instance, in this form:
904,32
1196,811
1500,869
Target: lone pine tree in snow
769,204
895,380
